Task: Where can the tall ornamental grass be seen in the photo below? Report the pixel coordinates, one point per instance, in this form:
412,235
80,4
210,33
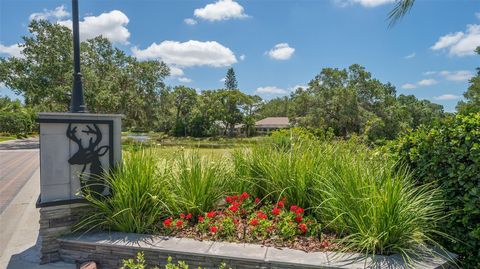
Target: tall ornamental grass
139,195
149,186
197,183
351,189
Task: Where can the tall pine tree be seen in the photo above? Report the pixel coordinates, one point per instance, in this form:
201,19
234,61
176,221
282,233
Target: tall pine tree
231,80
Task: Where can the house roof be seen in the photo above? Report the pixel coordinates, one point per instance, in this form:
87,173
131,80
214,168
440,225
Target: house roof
273,122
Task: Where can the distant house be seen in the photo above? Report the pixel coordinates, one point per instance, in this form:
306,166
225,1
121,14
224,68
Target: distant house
270,124
263,126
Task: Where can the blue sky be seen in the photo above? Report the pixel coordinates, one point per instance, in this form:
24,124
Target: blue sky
275,46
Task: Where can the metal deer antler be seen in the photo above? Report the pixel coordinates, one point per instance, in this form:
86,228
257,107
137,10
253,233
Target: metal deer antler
89,155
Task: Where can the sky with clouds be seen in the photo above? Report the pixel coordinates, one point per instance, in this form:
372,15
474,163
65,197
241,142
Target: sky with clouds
275,46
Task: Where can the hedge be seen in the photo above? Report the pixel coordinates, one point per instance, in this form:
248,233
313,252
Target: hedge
448,155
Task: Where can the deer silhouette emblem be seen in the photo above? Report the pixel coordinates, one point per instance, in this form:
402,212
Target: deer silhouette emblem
89,155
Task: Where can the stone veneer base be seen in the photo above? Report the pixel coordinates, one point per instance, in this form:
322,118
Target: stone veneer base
108,249
56,221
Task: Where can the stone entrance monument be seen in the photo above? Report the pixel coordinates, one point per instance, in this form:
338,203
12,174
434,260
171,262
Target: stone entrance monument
75,149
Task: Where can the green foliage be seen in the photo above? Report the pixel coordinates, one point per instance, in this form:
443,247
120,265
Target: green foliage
15,119
352,190
351,102
231,80
113,81
448,155
472,95
138,198
197,183
137,263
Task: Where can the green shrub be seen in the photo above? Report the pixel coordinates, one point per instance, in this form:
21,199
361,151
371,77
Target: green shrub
448,155
18,123
140,263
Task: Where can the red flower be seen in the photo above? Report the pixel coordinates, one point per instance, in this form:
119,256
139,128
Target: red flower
233,208
189,216
235,221
299,211
235,197
228,199
302,227
243,196
179,223
293,208
257,200
213,229
182,216
211,214
261,215
324,244
281,204
298,219
200,219
276,211
168,222
254,222
235,204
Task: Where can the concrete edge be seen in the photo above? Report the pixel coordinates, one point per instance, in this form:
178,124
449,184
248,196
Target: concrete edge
244,252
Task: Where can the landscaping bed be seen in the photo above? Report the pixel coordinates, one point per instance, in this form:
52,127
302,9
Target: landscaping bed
249,220
293,191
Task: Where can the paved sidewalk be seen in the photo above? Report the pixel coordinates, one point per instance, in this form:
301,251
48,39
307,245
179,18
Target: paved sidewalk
19,230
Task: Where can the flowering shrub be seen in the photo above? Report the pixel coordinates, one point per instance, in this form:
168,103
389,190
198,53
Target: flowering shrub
244,217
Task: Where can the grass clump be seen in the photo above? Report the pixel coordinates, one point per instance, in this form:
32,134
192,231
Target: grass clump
138,198
197,182
352,190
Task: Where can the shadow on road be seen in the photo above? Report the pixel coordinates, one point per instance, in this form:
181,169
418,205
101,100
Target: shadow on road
28,143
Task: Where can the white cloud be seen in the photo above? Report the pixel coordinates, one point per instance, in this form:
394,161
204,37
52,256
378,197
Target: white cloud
190,21
427,82
409,86
461,75
175,71
281,51
221,10
222,80
184,80
270,90
410,56
364,3
477,14
460,43
242,57
13,50
447,97
189,53
57,13
111,25
429,73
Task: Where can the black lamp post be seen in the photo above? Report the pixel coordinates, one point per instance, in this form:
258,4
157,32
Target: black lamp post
77,104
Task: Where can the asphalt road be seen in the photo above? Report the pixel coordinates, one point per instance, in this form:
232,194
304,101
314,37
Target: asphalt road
19,159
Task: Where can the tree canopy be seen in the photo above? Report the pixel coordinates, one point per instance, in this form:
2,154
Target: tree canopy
348,101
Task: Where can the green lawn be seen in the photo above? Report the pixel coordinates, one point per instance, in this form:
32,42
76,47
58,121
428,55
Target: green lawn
209,147
7,138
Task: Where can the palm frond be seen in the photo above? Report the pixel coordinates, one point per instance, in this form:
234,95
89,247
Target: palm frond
402,7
